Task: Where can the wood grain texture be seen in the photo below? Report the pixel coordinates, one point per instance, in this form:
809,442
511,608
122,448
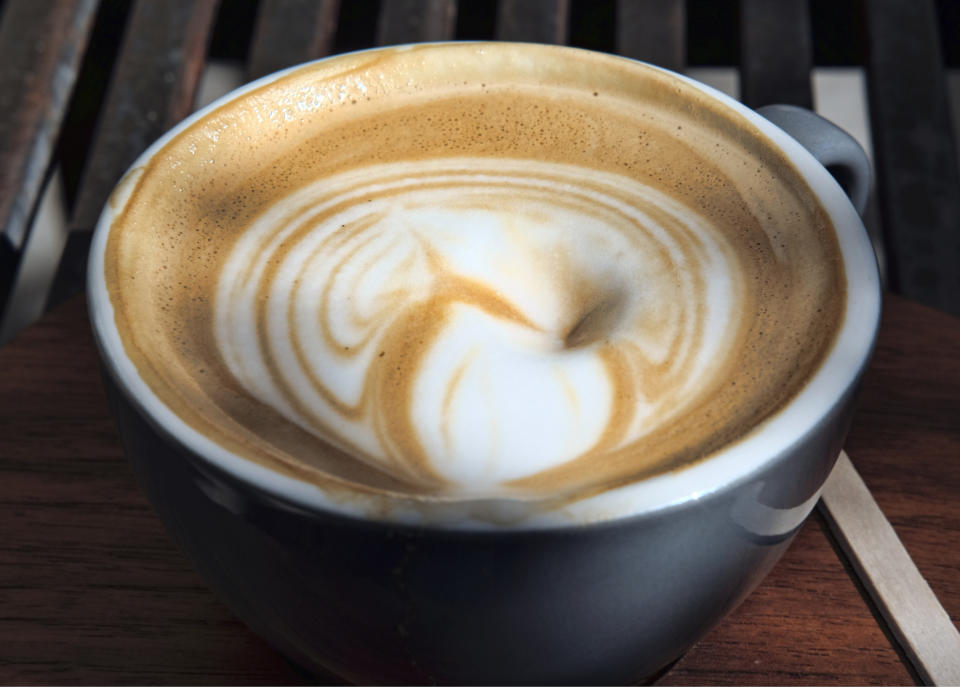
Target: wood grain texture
905,442
918,174
288,32
152,88
776,53
41,44
806,624
653,31
93,591
911,610
534,21
413,21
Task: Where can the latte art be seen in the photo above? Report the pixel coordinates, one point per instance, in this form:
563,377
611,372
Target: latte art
428,278
467,322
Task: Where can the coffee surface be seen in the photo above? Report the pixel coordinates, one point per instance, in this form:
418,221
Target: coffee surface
473,271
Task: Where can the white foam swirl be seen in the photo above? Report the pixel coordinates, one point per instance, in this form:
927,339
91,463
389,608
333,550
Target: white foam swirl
470,322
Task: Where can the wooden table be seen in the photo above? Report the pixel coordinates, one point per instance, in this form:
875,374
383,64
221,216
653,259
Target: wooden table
92,590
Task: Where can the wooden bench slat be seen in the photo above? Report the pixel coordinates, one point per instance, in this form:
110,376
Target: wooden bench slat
536,21
41,46
152,88
288,32
411,21
918,179
776,52
653,31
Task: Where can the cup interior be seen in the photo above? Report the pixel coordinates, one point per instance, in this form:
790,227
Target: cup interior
785,429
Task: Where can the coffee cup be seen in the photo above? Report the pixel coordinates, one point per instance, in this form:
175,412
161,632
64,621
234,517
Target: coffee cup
485,362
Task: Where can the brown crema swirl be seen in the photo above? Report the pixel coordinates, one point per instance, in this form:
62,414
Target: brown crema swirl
340,274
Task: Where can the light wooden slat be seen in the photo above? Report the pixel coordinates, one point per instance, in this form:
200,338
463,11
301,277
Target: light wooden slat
912,611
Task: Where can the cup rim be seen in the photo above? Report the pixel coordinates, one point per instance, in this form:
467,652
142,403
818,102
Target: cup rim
731,465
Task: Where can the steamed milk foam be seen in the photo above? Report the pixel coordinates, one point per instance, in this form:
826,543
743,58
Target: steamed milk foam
467,272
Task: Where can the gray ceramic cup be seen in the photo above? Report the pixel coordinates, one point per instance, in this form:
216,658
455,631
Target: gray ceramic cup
615,601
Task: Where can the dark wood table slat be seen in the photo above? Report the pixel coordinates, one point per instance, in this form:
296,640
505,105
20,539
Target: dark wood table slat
75,614
411,21
918,177
776,52
93,591
653,31
288,32
152,88
41,45
535,21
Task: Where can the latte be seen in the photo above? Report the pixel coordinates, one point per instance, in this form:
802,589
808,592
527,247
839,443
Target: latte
473,271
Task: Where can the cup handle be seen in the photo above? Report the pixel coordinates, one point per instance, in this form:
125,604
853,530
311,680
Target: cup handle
833,148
